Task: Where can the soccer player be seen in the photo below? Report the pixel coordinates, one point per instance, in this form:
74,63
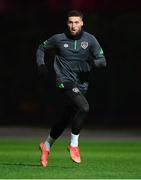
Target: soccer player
76,52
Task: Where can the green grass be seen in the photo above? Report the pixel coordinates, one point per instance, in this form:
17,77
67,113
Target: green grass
19,159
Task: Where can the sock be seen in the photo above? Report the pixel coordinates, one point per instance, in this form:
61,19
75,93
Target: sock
49,142
74,140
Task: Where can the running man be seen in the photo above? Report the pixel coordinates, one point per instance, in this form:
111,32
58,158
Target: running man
76,52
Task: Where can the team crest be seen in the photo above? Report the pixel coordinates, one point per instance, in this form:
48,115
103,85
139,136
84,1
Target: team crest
84,44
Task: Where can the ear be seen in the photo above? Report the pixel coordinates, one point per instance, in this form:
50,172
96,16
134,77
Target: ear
82,23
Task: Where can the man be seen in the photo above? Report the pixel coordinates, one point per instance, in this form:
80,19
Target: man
76,53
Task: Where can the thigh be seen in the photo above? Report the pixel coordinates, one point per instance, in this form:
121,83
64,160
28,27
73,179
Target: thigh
77,99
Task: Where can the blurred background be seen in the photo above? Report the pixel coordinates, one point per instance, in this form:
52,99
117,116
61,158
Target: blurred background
114,93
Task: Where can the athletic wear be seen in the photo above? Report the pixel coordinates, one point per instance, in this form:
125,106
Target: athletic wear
75,110
44,155
74,140
74,56
74,154
49,142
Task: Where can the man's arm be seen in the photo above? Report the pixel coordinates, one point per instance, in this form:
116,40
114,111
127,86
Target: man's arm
98,54
48,44
40,53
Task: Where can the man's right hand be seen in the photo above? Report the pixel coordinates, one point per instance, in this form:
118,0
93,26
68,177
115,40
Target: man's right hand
43,71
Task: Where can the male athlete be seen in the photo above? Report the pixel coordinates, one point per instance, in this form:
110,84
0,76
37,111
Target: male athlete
76,52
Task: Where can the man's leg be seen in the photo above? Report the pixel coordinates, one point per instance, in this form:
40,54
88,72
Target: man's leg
56,130
77,107
81,106
60,125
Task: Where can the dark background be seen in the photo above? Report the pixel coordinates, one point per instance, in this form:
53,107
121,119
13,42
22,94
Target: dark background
114,93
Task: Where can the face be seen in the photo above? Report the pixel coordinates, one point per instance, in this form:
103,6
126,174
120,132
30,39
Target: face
74,24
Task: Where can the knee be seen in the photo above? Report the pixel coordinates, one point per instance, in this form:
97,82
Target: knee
85,108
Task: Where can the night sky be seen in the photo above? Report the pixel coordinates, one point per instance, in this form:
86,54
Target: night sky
114,93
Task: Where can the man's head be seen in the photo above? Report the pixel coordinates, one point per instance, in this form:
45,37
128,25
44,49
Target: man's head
74,22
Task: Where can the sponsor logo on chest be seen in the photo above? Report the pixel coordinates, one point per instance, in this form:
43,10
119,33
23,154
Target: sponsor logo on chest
84,45
66,45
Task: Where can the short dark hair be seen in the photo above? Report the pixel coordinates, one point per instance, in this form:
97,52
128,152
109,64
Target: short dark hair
75,13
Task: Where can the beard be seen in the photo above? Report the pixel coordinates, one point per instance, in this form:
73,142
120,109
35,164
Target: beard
75,33
76,36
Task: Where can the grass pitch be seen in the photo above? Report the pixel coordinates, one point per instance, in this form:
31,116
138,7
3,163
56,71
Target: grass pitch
19,159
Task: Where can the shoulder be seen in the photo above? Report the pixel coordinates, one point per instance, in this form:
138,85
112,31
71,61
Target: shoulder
55,38
58,36
89,36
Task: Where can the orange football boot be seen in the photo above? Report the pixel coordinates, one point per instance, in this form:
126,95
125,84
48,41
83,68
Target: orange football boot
75,154
44,155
